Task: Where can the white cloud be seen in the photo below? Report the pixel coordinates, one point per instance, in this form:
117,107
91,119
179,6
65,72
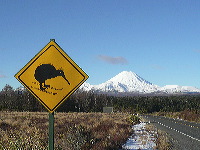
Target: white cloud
112,60
197,51
2,75
157,67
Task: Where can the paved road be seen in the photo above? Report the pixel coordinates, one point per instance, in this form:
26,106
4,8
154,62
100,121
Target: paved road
185,135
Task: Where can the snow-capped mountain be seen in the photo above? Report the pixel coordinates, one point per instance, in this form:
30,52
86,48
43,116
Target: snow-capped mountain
128,81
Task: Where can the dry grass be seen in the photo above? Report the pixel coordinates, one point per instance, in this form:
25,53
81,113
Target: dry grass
163,141
73,131
188,115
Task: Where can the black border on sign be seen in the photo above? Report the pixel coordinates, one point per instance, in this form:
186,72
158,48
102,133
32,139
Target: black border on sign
69,93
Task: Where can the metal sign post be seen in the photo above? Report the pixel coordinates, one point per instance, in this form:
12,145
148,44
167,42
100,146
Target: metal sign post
51,131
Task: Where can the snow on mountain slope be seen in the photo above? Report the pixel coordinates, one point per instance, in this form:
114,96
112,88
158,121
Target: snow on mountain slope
128,81
178,89
86,86
125,81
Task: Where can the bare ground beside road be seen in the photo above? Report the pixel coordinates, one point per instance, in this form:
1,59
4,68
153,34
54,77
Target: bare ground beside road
184,135
163,141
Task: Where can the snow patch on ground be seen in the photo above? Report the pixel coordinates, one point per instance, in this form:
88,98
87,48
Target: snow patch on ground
142,139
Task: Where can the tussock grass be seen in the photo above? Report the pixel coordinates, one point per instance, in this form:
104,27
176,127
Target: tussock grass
189,115
163,141
73,131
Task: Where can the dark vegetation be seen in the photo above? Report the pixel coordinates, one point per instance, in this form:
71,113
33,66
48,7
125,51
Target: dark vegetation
16,100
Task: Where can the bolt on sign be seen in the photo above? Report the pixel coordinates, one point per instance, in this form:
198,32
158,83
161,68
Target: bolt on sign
51,76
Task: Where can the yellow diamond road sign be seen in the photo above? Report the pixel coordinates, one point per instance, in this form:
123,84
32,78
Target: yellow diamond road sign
51,76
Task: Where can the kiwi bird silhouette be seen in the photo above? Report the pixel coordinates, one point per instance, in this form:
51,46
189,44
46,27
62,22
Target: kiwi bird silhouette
47,71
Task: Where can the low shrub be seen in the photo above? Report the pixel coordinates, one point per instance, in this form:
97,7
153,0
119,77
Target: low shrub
133,119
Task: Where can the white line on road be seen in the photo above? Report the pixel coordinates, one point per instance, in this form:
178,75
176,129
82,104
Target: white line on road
179,132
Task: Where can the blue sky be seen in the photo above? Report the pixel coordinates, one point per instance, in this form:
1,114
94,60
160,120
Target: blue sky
158,40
